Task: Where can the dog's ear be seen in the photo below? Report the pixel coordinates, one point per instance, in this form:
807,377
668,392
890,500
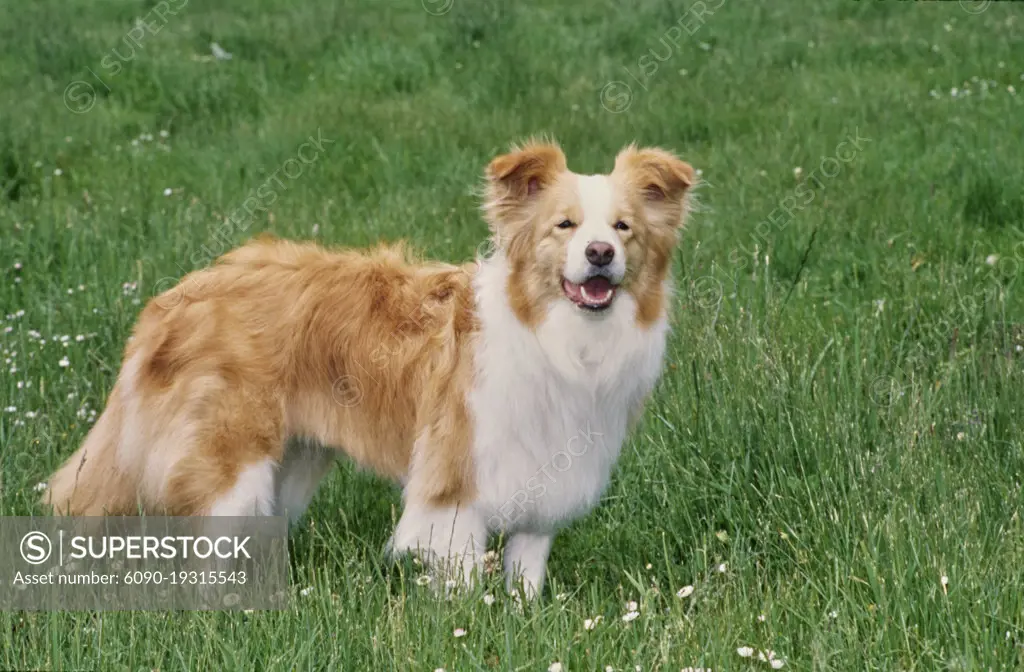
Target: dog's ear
526,170
661,178
514,179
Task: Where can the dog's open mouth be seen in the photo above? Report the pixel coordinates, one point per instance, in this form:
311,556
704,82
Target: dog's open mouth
595,293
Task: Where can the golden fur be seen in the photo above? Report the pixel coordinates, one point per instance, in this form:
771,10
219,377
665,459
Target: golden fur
281,339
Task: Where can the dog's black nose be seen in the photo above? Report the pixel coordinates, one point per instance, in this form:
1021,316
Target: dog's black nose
600,254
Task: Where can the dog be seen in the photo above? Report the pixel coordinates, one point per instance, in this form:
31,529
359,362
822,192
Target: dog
498,393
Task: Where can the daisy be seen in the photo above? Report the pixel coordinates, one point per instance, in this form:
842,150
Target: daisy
488,599
685,591
555,667
629,616
745,652
459,632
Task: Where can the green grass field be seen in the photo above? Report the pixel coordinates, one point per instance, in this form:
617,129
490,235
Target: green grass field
839,424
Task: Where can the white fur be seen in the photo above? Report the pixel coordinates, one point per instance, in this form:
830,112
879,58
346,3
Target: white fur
597,199
452,538
551,410
526,556
251,495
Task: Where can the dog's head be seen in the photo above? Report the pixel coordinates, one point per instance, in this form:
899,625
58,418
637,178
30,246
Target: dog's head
586,239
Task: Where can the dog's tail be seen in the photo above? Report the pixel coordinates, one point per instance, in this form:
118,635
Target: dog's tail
90,483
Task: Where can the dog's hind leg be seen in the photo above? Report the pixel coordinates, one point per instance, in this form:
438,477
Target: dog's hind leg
303,466
231,467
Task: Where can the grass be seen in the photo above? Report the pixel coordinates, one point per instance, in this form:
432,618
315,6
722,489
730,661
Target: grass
839,424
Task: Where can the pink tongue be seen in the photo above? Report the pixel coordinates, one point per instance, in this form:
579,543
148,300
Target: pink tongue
598,288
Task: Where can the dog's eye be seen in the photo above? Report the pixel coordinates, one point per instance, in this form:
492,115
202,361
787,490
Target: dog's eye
621,225
565,224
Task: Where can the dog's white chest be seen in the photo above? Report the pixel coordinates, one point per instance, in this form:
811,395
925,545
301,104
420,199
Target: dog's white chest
551,410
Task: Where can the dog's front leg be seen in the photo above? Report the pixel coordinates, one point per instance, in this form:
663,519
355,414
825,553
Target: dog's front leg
526,558
452,538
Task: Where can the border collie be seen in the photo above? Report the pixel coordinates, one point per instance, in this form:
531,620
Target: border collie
497,393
